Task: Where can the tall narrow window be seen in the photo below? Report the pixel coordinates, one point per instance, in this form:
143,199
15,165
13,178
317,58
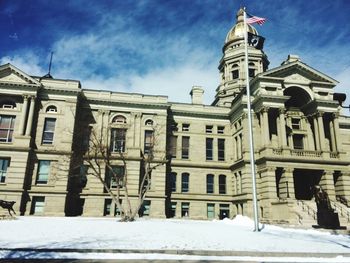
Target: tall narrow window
107,207
185,209
222,184
4,163
185,179
209,148
173,182
173,144
221,149
210,211
49,131
210,183
7,124
118,140
43,172
115,177
185,151
148,141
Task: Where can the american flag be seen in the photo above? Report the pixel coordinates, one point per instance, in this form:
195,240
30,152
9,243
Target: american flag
255,19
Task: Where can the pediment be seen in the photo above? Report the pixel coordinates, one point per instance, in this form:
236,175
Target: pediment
13,75
299,72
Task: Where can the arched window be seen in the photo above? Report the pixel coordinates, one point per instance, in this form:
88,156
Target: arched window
235,71
210,183
119,119
51,109
149,122
8,104
222,184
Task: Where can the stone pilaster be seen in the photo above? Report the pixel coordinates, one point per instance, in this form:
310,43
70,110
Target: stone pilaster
286,184
23,115
282,121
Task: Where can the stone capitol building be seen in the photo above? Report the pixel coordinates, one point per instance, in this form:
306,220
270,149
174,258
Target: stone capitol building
302,139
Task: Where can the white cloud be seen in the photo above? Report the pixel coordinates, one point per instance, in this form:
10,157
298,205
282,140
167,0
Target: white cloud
27,62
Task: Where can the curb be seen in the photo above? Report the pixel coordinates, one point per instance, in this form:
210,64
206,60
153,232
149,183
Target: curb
185,252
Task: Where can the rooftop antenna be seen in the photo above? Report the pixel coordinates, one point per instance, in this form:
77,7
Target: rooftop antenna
48,75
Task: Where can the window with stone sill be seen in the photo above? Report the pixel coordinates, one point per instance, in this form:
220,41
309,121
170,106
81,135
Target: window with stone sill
209,129
43,172
296,124
4,164
49,131
185,127
221,129
7,124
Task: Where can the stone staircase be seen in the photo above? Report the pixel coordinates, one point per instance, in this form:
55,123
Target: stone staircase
343,212
306,212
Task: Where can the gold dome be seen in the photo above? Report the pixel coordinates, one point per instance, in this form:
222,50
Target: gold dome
237,31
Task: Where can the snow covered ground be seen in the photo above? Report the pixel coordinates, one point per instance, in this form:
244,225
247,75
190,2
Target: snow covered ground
163,234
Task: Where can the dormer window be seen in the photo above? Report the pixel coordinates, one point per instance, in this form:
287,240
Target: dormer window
119,119
149,123
51,109
8,104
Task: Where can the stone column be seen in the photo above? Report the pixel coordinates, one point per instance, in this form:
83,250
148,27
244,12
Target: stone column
283,134
290,138
317,137
336,131
327,183
321,131
310,137
239,146
138,131
24,115
30,116
331,130
266,137
286,184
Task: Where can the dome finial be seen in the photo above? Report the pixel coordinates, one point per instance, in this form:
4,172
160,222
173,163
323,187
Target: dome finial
240,15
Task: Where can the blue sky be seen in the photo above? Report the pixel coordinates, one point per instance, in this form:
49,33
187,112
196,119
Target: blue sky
166,46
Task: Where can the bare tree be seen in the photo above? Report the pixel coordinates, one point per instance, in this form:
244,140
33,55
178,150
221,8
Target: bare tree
103,150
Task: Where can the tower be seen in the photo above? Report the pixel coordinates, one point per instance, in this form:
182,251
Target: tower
231,67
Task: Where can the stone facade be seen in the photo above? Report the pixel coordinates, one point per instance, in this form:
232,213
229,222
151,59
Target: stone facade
301,140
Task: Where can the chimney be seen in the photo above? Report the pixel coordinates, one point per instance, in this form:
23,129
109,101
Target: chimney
197,95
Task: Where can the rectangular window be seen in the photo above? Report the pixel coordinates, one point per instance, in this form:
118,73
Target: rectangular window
209,148
235,74
222,184
173,144
118,140
224,211
185,127
298,141
173,182
295,124
7,124
38,204
43,172
209,129
185,209
49,131
185,178
210,183
115,177
185,151
4,163
221,129
149,137
210,211
173,209
221,149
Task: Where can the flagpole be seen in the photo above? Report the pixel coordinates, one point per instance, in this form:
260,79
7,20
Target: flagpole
251,140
